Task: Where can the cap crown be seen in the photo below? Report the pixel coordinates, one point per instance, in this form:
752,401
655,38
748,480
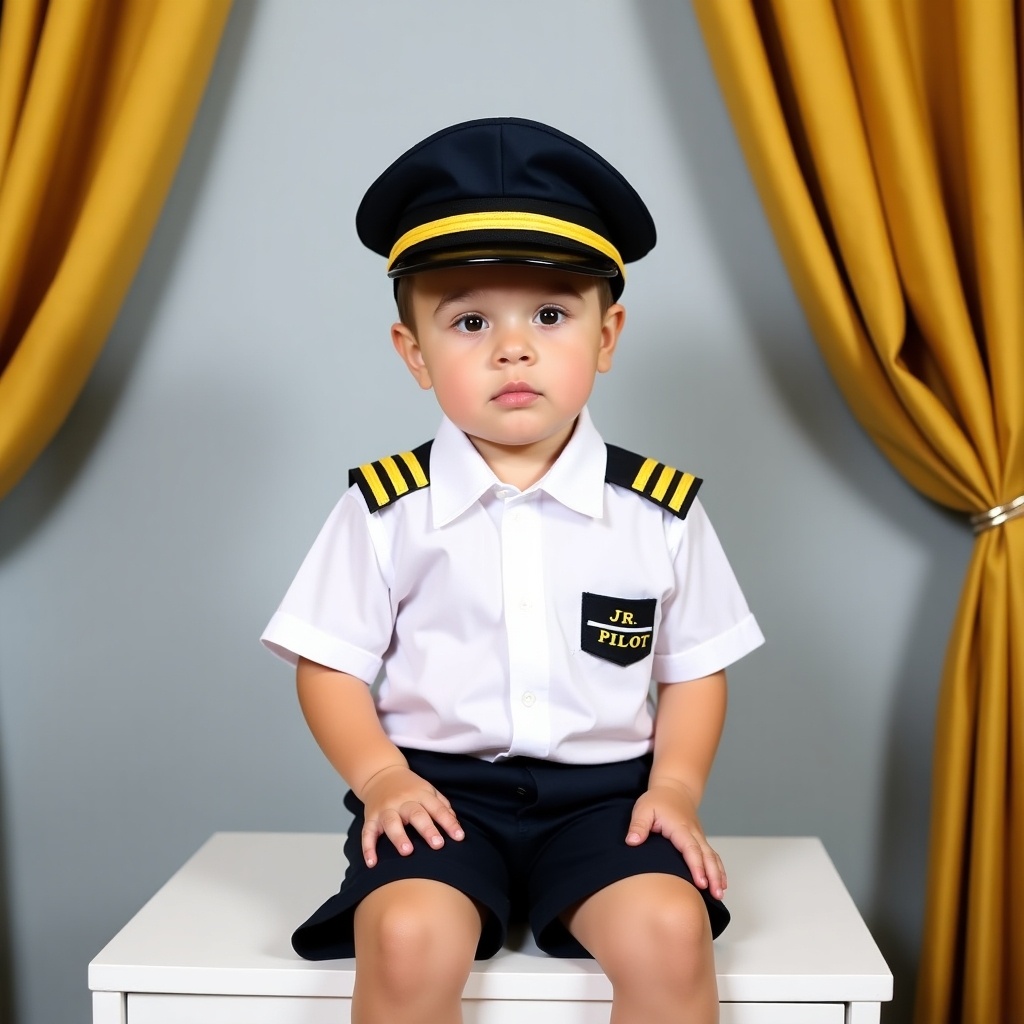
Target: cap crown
443,196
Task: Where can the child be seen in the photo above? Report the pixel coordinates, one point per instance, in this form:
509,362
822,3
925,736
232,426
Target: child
521,583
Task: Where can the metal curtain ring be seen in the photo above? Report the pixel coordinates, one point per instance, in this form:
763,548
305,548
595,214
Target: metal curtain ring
997,516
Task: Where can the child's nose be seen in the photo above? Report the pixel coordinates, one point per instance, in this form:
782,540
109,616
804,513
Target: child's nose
513,346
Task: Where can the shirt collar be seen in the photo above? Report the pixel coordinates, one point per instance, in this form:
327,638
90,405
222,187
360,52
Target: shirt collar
459,476
577,477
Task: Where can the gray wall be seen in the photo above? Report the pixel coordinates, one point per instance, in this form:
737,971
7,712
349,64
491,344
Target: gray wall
250,367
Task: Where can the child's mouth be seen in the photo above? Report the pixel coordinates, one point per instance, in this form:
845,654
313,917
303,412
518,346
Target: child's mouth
516,395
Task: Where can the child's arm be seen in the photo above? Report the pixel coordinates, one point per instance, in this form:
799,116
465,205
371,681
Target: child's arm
688,726
341,715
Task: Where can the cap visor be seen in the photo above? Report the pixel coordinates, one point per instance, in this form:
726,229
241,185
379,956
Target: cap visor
595,265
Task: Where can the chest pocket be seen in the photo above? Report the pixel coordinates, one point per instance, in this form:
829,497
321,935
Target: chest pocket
617,629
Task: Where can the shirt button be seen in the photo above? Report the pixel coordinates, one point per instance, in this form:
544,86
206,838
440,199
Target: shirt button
502,494
529,699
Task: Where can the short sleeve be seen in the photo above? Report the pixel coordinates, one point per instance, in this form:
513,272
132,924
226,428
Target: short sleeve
337,611
705,622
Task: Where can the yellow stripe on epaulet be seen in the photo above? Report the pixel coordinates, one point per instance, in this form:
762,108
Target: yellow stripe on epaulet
392,477
665,486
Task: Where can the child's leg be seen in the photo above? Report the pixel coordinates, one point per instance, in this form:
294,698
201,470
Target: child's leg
415,941
650,934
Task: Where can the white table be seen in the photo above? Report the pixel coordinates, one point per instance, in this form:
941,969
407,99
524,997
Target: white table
212,946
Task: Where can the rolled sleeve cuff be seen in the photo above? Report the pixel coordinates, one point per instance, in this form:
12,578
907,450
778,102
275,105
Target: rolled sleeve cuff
710,656
289,638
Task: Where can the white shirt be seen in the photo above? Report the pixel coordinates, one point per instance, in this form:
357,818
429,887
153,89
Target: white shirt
475,598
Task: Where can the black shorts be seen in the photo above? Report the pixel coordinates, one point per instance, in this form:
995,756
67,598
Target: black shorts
540,836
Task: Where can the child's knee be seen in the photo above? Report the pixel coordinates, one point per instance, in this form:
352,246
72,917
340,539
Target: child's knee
414,933
661,933
679,922
673,934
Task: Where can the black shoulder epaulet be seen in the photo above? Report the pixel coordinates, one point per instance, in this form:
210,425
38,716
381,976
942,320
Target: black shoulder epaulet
657,482
389,479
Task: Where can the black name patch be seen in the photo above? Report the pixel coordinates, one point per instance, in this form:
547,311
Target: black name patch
617,629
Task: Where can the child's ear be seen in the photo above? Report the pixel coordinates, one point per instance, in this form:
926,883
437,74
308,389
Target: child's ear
409,349
611,328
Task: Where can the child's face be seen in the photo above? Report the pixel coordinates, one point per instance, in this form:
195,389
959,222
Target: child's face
511,352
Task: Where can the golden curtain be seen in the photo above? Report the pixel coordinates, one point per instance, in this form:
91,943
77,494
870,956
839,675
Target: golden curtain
97,98
884,138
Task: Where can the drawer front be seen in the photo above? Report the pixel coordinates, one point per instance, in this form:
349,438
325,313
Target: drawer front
148,1008
781,1013
151,1008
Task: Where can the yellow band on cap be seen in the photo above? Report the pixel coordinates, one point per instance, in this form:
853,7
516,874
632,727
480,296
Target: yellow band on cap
505,221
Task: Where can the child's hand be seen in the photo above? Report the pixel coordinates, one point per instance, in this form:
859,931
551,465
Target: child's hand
396,797
668,808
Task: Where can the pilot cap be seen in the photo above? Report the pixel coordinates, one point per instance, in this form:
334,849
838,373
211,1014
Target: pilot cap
505,190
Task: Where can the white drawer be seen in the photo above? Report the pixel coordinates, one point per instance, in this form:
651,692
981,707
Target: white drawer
211,947
153,1008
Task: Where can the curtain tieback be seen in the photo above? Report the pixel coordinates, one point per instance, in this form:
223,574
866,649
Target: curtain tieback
997,516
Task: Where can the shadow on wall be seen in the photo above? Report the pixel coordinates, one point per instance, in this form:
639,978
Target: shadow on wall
41,491
6,958
894,907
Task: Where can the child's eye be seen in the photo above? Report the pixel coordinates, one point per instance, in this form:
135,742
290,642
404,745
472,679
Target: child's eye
470,323
550,315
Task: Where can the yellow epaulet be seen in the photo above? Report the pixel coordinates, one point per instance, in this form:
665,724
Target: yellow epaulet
388,479
670,488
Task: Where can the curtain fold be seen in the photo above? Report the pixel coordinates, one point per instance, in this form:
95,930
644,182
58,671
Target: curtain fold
97,98
885,143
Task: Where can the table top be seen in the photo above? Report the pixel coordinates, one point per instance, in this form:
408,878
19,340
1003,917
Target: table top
223,923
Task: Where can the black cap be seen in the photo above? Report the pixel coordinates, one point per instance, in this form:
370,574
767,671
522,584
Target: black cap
505,190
